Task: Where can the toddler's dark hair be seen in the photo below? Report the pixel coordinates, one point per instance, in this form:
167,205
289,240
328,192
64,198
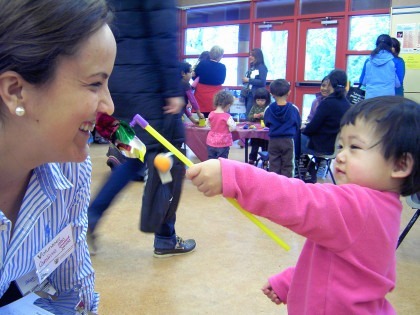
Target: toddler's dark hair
397,123
279,87
223,99
184,67
262,94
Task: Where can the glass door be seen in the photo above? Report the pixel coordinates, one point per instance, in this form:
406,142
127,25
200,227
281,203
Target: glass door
276,42
320,42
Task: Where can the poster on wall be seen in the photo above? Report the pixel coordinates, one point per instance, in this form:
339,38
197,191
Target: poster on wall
409,36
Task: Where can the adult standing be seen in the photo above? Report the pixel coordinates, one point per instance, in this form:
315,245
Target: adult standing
255,77
212,75
381,74
146,82
400,64
55,60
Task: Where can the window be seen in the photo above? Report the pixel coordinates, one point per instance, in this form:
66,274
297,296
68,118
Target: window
275,53
354,67
370,5
232,38
222,13
275,8
320,53
365,29
322,6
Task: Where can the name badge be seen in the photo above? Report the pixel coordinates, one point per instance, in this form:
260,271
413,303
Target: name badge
29,283
54,253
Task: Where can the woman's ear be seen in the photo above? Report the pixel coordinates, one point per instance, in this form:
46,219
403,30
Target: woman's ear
10,89
403,166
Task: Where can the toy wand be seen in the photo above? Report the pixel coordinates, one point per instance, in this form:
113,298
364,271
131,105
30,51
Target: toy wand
137,119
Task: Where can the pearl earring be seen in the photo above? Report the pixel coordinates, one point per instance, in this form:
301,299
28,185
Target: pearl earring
20,111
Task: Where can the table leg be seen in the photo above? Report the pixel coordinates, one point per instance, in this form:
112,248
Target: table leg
246,150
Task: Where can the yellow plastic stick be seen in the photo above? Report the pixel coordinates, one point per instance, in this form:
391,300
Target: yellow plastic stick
139,120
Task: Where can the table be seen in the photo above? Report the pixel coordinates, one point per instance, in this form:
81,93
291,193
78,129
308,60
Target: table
196,137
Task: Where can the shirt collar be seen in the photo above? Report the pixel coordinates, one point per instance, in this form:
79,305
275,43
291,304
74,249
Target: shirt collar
51,178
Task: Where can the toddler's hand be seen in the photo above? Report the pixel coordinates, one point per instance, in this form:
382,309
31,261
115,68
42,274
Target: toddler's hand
207,177
269,292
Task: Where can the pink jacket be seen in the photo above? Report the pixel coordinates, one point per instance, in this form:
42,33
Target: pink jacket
347,265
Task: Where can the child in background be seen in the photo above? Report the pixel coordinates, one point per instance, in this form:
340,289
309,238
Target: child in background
190,100
205,55
219,138
348,262
283,119
261,101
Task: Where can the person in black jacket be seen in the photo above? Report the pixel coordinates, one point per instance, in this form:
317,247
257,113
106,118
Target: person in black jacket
322,130
146,81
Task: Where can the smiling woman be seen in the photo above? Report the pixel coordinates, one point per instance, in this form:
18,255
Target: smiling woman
54,71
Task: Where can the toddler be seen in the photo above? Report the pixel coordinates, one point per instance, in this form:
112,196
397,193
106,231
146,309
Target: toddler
190,100
283,119
348,262
256,114
219,138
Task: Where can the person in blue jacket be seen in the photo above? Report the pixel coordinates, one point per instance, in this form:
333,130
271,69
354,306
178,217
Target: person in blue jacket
283,119
381,74
400,64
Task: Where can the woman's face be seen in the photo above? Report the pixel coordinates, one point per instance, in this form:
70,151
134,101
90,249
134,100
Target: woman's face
251,58
60,116
326,88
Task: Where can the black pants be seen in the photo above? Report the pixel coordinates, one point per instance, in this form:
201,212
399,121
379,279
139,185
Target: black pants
281,152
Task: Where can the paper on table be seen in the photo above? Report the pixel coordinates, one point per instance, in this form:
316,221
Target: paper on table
24,306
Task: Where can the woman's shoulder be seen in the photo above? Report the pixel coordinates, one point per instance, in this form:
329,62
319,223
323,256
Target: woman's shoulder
261,66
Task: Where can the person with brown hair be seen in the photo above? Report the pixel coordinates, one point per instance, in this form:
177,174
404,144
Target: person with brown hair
255,77
56,57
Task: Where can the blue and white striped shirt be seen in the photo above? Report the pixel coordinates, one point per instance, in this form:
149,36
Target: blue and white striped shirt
57,195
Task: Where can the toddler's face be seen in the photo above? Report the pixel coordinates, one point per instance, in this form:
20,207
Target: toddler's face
187,76
260,101
360,160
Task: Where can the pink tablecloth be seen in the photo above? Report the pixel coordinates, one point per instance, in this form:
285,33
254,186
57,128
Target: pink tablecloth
196,137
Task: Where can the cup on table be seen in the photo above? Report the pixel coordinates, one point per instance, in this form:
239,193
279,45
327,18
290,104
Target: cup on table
202,122
262,123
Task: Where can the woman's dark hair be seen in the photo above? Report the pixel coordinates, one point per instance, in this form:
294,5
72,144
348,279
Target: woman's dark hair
338,81
395,120
258,56
34,34
396,45
383,42
262,94
205,55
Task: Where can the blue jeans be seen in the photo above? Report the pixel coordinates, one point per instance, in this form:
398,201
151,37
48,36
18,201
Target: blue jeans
165,237
215,153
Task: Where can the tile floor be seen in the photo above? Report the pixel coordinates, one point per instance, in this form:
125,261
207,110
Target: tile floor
224,275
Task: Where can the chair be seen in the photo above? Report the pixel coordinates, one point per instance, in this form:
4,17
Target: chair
263,160
414,202
304,168
328,159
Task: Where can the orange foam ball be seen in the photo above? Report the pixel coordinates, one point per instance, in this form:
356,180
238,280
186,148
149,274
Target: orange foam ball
163,162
